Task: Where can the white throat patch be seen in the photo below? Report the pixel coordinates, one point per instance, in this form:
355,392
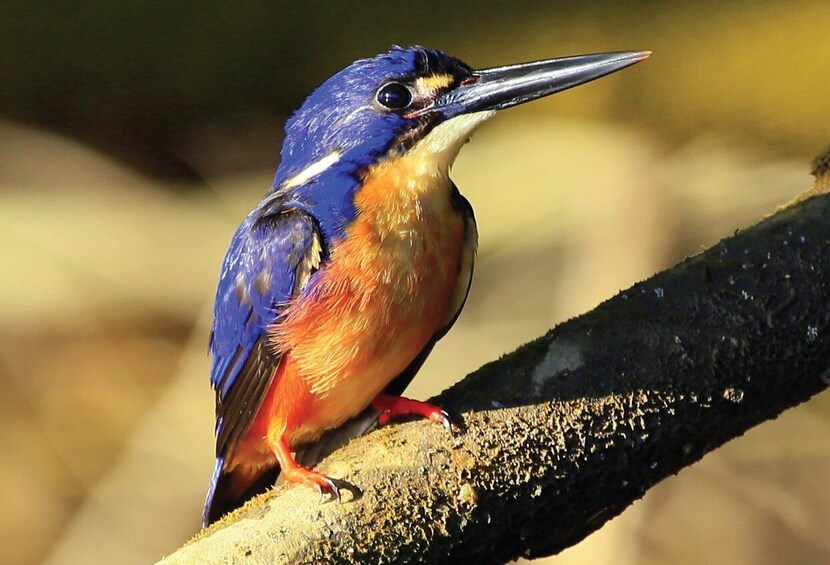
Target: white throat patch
438,150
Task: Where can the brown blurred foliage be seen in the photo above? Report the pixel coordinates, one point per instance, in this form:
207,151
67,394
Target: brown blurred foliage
108,272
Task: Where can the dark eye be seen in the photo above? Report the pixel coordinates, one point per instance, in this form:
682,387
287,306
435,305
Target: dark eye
394,96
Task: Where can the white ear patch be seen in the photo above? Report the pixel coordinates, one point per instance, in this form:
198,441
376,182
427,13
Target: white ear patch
312,170
440,147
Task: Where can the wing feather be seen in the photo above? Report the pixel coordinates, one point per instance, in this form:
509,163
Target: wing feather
270,260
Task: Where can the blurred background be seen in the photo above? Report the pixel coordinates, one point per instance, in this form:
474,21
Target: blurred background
135,135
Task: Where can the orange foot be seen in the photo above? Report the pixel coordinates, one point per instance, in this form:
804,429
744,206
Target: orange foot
391,407
296,473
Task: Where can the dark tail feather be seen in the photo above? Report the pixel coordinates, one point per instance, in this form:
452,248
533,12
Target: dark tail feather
223,498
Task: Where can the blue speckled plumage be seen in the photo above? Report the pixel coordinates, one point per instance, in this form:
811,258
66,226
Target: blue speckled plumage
258,275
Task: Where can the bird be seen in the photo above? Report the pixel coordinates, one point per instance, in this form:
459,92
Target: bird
358,259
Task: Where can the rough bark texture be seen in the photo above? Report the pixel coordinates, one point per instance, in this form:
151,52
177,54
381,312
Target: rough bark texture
570,429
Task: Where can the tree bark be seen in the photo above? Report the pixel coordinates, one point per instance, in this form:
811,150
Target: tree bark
567,431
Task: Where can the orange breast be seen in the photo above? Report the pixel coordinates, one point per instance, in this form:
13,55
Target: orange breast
384,293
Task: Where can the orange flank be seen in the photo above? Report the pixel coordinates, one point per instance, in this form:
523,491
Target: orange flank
389,286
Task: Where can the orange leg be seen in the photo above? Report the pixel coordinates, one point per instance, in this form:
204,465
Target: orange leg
393,406
296,473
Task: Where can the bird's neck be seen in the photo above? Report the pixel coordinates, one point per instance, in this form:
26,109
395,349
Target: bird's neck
396,188
400,194
435,154
403,184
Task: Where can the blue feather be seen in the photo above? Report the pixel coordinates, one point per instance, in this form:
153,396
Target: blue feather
257,276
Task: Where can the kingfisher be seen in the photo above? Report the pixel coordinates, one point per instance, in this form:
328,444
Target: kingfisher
359,258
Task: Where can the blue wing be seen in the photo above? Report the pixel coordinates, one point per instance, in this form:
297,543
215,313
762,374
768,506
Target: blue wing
271,256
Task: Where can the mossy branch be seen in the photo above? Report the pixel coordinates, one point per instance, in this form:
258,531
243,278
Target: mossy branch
570,429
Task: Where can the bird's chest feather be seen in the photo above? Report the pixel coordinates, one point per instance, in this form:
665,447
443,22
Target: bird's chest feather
385,290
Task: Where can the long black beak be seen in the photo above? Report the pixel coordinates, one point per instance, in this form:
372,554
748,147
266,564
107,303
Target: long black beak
503,87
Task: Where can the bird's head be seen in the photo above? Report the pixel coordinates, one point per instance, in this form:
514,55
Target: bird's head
384,106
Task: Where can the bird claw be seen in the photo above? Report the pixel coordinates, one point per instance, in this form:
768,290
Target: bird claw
326,485
444,419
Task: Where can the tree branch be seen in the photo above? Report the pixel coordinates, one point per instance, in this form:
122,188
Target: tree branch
570,429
